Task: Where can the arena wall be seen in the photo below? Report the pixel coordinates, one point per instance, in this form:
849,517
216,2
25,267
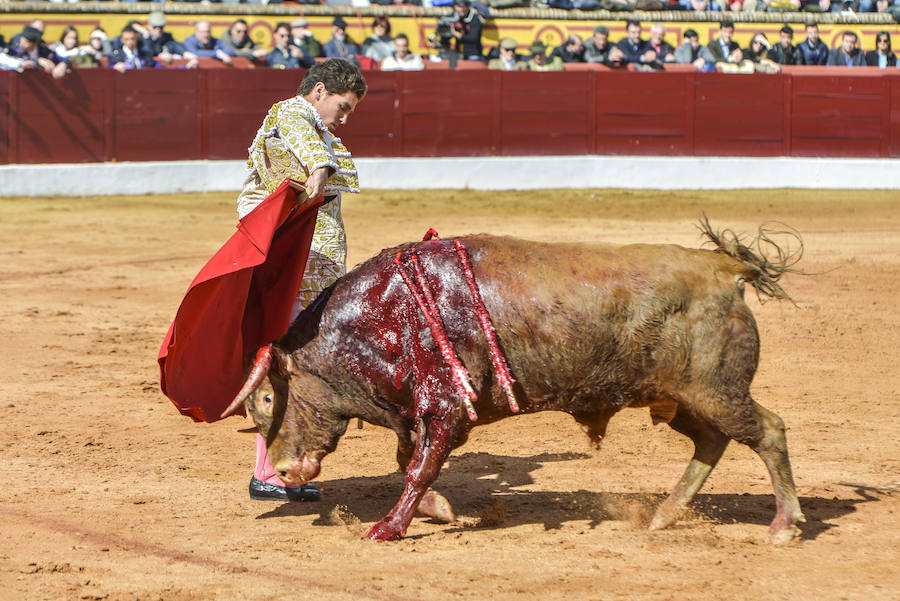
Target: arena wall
155,114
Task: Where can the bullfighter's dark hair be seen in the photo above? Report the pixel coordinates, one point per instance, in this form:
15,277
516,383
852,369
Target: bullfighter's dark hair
339,76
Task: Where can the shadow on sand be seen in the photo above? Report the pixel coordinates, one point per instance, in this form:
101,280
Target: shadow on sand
482,484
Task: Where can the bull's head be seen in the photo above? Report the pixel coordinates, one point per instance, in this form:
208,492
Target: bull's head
295,412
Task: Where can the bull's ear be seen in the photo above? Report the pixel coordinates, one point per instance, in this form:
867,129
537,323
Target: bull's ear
283,361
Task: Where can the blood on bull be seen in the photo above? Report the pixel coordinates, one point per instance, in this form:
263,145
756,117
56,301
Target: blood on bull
583,329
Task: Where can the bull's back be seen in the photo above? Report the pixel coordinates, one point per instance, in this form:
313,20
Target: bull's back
580,322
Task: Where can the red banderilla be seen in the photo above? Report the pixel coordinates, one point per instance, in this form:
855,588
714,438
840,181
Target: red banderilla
424,298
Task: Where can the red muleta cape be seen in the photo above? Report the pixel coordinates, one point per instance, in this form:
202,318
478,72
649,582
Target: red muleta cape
240,300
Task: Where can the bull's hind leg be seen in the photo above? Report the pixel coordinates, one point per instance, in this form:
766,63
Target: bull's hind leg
749,423
772,448
709,444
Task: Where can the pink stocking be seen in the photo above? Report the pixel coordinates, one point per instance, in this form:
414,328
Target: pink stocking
264,470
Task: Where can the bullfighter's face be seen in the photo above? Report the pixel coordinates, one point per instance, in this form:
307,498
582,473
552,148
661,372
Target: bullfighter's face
295,414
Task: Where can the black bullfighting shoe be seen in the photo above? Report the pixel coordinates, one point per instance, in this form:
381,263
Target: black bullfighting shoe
263,491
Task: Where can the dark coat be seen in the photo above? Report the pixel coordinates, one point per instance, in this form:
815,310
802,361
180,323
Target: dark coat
872,59
837,58
144,57
813,55
285,60
633,52
784,56
716,48
164,43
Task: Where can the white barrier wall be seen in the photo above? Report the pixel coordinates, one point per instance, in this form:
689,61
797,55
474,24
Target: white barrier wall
478,173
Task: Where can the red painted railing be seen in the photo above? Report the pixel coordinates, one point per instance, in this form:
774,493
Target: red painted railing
101,115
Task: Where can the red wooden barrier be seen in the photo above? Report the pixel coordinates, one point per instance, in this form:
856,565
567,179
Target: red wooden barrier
101,115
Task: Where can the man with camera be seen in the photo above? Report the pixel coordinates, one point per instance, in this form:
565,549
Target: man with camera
466,30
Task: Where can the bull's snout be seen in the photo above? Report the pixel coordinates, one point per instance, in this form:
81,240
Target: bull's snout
295,472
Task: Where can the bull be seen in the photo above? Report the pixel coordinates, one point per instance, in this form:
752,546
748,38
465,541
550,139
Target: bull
585,329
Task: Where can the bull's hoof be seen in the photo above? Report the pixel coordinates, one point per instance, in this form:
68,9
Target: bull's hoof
384,531
666,515
436,507
784,529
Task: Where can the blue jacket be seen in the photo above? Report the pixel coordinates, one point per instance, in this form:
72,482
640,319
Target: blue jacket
633,53
206,50
285,60
333,50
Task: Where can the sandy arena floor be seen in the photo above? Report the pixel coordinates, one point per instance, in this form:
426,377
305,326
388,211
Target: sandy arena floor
108,493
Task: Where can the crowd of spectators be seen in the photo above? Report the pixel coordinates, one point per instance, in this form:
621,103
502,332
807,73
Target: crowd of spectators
722,54
457,37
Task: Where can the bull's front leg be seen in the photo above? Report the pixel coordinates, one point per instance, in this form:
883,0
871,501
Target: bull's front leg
434,441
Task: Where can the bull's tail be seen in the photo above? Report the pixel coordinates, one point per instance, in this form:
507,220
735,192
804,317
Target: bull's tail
764,260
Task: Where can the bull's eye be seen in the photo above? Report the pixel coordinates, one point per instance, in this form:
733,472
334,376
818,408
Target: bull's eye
267,399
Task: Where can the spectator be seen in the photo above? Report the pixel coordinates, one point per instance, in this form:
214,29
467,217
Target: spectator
847,6
467,31
599,50
847,55
204,45
572,51
508,59
664,51
30,52
380,44
402,59
237,38
36,24
724,49
142,32
340,45
882,56
700,5
813,51
773,6
99,43
758,55
285,55
758,48
69,48
301,36
539,61
131,55
784,52
634,49
160,43
692,53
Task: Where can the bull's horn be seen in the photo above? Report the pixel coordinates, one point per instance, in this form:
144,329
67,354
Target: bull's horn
258,372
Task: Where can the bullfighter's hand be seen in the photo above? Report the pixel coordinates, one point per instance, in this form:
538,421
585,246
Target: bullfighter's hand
315,185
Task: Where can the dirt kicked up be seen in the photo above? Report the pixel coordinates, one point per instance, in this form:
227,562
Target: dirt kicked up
110,494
